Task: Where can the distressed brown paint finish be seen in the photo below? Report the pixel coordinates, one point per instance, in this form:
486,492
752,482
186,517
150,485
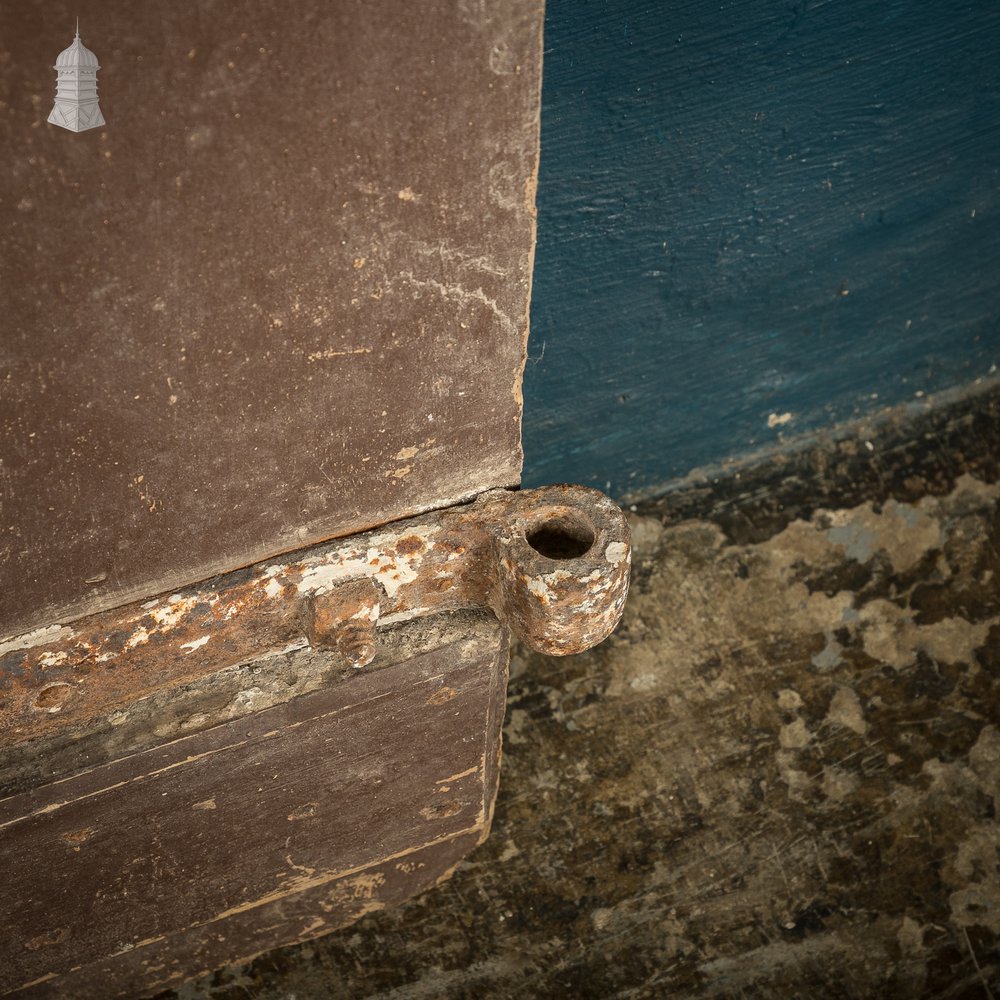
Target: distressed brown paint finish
281,297
269,829
298,918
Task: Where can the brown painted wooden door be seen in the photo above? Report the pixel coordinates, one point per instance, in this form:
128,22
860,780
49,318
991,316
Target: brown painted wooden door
280,296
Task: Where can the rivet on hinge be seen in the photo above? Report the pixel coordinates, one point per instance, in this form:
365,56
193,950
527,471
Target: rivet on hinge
343,620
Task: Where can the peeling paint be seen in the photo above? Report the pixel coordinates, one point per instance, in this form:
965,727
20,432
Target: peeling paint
51,633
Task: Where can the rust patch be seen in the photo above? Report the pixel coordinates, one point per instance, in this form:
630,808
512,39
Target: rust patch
442,696
409,545
344,620
442,811
76,837
47,939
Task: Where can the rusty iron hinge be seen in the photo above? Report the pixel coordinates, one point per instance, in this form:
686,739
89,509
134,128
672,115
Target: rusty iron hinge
551,563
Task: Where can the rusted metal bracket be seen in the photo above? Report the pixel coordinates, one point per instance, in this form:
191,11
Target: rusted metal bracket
551,563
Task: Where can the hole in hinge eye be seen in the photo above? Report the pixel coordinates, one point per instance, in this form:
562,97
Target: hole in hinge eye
562,537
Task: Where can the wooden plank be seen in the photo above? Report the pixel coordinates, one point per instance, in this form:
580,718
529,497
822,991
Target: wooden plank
268,829
281,297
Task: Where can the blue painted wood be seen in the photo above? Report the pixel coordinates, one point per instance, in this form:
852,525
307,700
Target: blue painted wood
749,209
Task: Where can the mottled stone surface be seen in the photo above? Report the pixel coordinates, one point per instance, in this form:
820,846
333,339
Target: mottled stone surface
778,779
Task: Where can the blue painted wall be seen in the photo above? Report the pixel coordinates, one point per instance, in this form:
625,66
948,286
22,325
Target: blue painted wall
756,208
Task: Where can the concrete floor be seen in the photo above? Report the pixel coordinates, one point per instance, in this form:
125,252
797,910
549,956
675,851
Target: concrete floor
778,779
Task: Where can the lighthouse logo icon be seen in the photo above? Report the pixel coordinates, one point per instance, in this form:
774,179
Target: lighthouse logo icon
76,106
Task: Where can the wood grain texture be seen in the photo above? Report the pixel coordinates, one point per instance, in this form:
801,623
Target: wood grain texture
282,297
262,831
784,207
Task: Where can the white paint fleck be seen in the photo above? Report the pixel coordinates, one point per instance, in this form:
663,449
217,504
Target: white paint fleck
319,579
272,588
332,353
51,633
616,552
137,638
348,563
399,571
169,615
294,647
403,616
538,587
541,586
50,659
195,643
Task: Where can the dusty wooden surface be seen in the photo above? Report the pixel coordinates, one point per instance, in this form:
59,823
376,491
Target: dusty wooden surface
281,297
779,779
